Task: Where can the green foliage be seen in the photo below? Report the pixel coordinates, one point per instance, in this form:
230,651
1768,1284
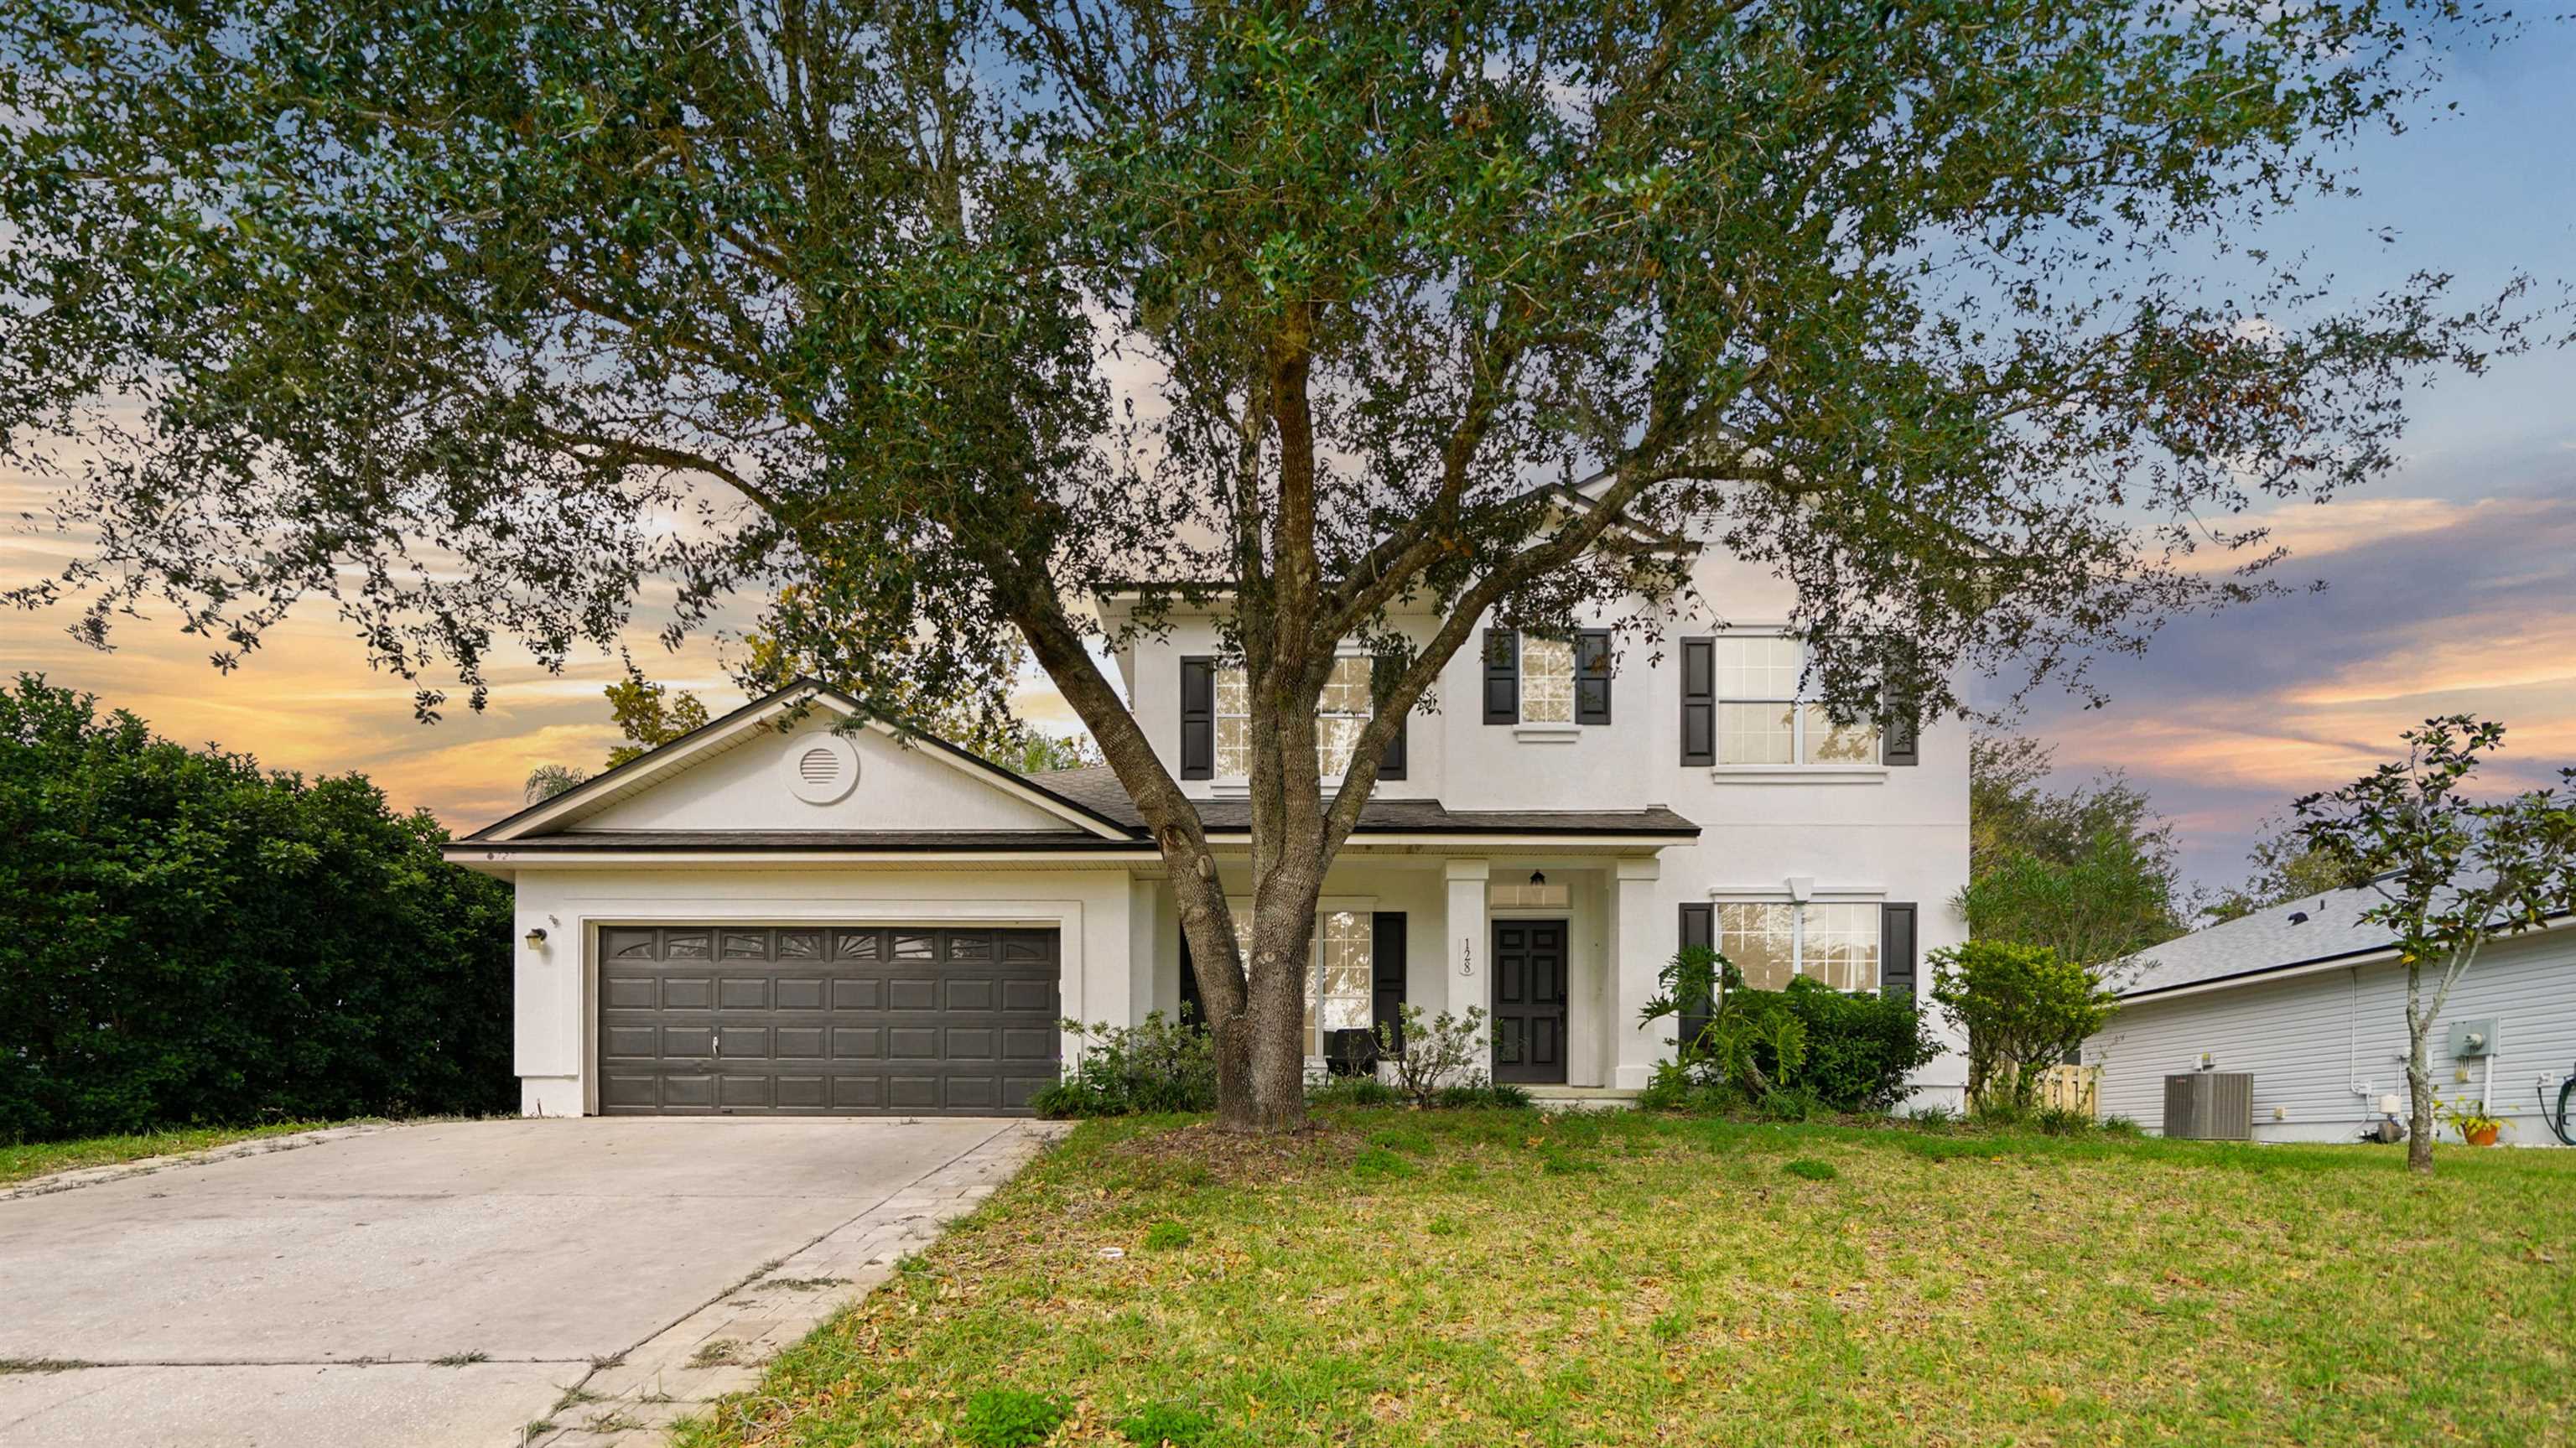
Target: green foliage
1166,1237
1154,1065
1491,1096
650,715
2121,1126
1166,1425
1010,1418
1807,1168
193,939
2023,1008
548,780
1936,308
1040,753
2286,868
2091,872
2453,870
1429,1054
1357,1090
1794,1051
1376,1163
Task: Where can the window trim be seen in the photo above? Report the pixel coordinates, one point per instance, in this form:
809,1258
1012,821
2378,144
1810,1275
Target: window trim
1797,770
1241,784
1721,896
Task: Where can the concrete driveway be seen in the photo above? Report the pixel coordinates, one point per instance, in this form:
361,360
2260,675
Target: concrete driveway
308,1296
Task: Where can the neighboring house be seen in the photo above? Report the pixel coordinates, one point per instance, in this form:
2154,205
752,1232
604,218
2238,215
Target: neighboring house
764,919
2311,1002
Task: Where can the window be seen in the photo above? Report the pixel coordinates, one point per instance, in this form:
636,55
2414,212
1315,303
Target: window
1761,718
1547,680
1772,941
1341,978
1341,712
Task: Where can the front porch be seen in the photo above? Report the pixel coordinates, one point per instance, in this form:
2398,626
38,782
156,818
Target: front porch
1559,949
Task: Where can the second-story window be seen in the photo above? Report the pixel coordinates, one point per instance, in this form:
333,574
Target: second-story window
1763,717
1341,712
1547,680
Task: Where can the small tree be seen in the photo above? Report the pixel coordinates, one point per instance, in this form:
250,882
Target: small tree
548,780
2022,1006
2451,872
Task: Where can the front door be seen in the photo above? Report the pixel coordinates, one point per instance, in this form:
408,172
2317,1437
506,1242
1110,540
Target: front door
1529,1001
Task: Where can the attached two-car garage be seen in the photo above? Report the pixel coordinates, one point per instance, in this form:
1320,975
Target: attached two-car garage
729,1019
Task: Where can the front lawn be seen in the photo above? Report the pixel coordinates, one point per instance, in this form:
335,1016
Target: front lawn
1479,1278
42,1158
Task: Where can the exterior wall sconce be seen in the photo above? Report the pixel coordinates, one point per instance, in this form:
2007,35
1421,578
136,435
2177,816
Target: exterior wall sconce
1538,877
537,937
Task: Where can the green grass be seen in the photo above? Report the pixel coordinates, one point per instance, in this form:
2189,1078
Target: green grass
1628,1279
43,1158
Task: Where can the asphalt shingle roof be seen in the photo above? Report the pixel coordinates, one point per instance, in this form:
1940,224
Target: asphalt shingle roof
2272,938
1096,788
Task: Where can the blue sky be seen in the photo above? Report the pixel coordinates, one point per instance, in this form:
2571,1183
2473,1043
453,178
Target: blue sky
2451,584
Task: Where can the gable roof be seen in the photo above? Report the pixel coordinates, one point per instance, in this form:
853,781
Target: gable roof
743,725
2314,930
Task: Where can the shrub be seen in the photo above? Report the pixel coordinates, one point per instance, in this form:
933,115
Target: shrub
2023,1008
1807,1168
1010,1418
195,940
2062,1121
1825,1049
1430,1053
1155,1065
2121,1126
1166,1425
1466,1098
1352,1091
1934,1116
1166,1237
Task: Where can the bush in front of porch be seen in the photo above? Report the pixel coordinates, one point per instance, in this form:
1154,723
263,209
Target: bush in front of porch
1790,1053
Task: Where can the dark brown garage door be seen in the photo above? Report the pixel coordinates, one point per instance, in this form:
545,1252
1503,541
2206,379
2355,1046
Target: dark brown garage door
707,1019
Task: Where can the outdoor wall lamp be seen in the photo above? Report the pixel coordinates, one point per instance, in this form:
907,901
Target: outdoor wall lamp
1538,877
536,937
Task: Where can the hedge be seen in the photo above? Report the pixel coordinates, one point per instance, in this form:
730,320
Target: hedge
186,938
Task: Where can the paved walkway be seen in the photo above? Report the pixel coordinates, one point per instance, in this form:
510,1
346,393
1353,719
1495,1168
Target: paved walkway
456,1283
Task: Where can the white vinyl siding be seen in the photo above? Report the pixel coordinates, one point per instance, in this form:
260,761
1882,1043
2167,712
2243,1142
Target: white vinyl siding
2311,1041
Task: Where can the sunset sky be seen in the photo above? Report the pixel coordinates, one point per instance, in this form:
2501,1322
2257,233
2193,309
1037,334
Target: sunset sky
2450,585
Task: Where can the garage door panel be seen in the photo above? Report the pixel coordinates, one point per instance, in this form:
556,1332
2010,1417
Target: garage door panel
847,1019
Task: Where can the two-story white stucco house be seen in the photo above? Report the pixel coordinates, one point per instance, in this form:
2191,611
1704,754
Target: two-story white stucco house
785,913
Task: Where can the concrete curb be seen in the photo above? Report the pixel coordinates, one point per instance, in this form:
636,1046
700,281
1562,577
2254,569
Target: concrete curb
90,1176
722,1347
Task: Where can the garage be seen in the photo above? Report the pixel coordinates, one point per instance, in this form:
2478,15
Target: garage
722,1019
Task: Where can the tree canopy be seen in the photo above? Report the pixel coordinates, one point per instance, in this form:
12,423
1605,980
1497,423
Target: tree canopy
2090,872
924,319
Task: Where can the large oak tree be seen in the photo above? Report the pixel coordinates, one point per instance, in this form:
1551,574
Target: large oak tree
472,318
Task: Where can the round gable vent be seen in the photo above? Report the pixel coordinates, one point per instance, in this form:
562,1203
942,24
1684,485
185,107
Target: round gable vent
821,769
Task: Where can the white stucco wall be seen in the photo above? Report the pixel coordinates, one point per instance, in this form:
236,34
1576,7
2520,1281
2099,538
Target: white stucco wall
2324,1046
900,787
556,983
1895,834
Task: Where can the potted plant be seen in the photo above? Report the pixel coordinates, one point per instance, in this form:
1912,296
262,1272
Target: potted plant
2474,1126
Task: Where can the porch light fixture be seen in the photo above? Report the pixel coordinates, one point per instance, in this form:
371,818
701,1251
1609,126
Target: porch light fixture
537,937
1538,877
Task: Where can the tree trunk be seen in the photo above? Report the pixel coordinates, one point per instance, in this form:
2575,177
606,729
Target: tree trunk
2419,1079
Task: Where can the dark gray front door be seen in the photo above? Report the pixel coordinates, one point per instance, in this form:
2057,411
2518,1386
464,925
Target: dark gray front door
824,1020
1529,1001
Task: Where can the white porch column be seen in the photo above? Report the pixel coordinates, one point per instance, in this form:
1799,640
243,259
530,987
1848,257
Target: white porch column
1469,941
1644,941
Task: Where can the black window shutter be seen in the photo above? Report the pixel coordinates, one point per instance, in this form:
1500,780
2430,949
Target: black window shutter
1502,676
1901,721
1896,969
1386,958
1699,701
1390,765
1592,676
1193,1008
1198,718
1699,927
